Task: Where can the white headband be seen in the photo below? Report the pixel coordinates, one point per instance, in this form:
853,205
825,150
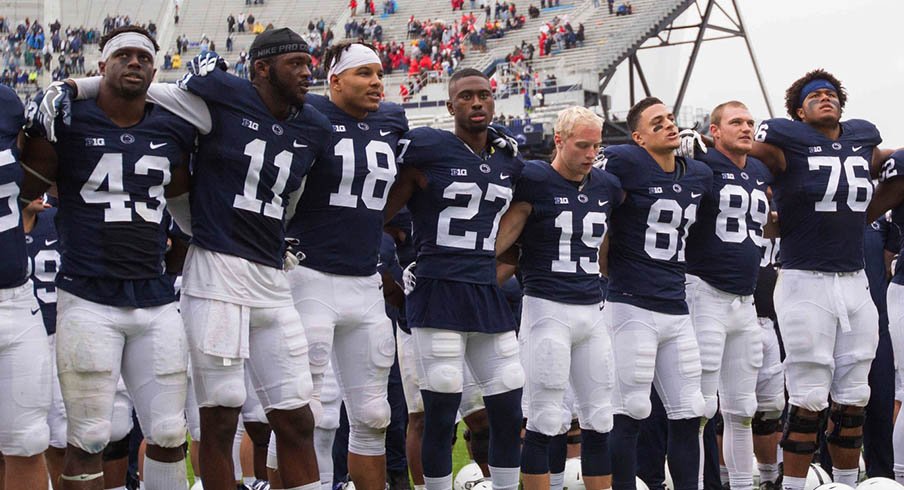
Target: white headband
356,55
128,40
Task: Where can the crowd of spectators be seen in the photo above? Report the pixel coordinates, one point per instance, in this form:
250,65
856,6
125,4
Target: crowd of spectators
559,34
30,50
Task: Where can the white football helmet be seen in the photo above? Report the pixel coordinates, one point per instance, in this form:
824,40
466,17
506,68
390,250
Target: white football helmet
640,484
573,476
879,483
483,485
468,476
816,476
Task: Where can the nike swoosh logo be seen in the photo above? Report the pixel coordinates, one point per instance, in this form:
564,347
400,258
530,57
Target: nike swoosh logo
856,148
296,144
48,243
759,182
154,146
35,311
384,133
696,195
504,176
602,203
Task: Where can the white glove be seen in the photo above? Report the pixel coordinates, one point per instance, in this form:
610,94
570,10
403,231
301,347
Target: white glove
293,257
40,119
409,280
502,140
206,63
600,160
691,141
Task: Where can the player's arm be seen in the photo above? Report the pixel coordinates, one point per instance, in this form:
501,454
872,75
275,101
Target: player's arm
889,192
393,294
504,271
409,180
511,225
176,193
603,258
39,160
771,155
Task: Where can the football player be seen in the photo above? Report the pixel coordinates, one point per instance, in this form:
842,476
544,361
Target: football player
233,279
457,185
652,337
723,260
336,288
822,168
770,383
24,351
560,212
116,307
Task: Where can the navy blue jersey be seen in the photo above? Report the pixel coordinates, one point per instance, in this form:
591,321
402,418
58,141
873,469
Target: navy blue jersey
14,265
562,236
893,168
110,221
647,232
724,246
247,168
822,195
339,222
874,240
456,217
43,250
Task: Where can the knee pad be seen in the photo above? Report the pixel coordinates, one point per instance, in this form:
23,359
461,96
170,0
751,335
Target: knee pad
698,404
801,424
512,376
766,423
638,406
117,449
710,407
375,414
29,441
319,356
551,356
601,420
168,432
445,378
846,417
91,439
227,394
817,399
546,420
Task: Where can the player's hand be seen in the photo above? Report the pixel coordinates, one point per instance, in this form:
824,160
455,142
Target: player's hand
293,256
409,280
600,160
691,142
502,140
41,113
204,64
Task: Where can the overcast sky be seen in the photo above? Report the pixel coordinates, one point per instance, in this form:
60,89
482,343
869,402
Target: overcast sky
859,41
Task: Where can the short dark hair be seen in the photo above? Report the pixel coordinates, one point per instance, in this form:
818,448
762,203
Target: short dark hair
464,73
332,54
637,110
792,95
133,28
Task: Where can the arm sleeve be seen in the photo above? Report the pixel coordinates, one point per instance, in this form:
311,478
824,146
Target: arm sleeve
184,104
88,88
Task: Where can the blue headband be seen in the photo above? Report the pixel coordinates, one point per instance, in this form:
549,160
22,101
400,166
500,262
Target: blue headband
813,86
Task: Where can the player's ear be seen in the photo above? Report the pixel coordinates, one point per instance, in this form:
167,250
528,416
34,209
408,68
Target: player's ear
102,67
636,136
449,108
557,139
800,113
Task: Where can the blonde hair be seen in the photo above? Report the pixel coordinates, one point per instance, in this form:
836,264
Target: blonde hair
716,116
572,116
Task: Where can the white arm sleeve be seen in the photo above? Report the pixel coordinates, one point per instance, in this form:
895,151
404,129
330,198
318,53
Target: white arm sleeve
88,88
180,102
180,209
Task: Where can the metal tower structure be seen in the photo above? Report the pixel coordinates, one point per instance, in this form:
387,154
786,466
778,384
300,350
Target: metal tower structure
713,20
